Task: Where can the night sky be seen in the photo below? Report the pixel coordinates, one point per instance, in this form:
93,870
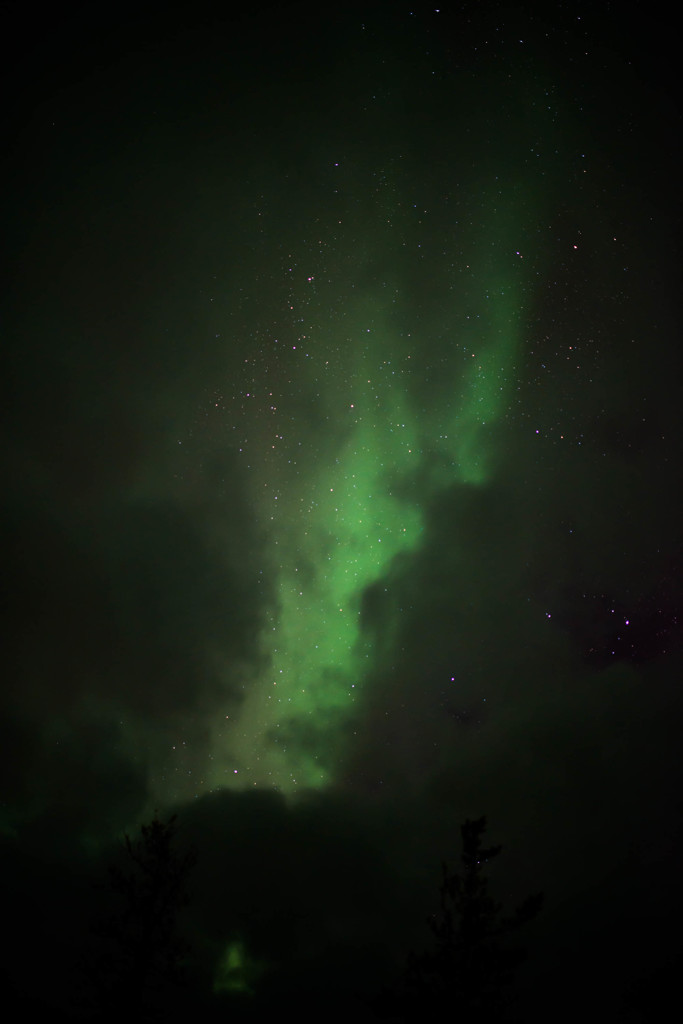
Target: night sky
342,434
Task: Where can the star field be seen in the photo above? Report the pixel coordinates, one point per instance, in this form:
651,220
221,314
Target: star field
425,299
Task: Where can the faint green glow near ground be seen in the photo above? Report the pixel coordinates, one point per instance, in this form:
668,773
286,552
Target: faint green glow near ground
236,971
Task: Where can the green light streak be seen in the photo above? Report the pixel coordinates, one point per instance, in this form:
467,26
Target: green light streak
352,510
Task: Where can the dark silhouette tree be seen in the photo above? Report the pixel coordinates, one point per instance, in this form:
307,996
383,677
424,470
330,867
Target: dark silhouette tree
139,965
471,969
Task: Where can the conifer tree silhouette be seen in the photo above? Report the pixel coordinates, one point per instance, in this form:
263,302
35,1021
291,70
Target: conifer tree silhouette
472,966
141,961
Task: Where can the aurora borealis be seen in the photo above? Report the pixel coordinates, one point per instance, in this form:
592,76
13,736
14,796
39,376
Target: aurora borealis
342,452
340,511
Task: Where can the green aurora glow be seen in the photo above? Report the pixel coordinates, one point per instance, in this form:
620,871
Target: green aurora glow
338,524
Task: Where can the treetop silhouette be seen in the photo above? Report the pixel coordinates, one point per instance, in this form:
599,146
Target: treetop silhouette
143,954
472,967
